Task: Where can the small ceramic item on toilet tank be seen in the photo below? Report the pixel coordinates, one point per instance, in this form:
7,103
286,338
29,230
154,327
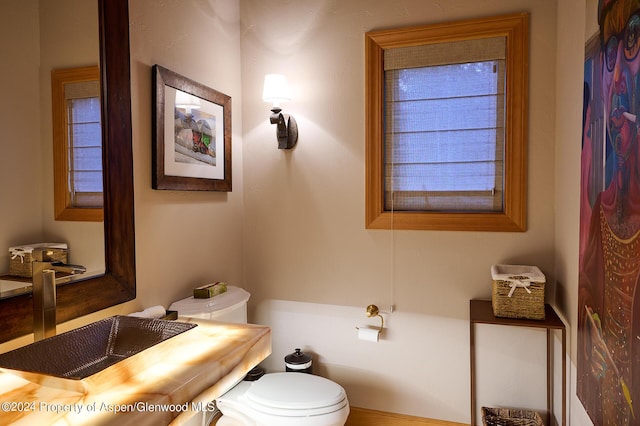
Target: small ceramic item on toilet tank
298,362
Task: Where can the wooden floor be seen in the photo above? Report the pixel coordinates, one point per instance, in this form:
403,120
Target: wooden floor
364,417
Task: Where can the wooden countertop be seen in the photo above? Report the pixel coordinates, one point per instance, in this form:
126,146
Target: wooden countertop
152,387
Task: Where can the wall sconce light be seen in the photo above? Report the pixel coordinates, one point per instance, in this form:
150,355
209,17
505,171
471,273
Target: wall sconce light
276,90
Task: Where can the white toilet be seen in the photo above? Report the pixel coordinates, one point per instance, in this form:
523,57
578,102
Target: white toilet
284,399
276,399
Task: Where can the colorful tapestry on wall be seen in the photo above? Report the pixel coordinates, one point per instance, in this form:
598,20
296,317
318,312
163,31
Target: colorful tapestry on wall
608,353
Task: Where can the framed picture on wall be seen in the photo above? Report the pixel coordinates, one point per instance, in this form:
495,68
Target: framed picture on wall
191,148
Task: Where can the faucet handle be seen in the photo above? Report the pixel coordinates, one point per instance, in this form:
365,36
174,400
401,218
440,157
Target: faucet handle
68,268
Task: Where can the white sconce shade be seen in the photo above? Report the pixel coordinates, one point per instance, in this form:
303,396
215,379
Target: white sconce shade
275,89
187,101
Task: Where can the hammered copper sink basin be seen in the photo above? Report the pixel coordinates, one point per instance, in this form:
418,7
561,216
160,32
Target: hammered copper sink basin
85,351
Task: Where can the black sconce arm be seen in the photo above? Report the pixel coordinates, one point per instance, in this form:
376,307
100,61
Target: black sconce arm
287,128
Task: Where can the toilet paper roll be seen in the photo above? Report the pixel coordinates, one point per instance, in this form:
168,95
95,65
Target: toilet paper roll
152,312
369,334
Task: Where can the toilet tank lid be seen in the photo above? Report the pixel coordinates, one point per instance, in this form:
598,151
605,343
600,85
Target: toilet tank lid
233,297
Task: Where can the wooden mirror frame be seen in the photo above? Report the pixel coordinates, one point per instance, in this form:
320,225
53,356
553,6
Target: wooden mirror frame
118,284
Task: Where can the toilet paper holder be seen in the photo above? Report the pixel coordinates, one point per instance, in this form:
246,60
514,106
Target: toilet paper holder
373,311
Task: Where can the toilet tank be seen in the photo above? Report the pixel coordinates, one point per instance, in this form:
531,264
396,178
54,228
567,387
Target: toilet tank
230,306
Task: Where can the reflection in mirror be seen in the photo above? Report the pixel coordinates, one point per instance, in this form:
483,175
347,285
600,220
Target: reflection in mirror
66,34
13,287
117,284
77,144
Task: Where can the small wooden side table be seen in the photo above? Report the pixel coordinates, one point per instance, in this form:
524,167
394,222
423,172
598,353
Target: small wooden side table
481,312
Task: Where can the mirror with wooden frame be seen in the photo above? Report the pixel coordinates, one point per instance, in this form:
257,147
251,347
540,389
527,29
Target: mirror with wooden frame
118,284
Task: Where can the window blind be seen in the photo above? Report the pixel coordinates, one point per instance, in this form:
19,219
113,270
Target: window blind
85,144
444,126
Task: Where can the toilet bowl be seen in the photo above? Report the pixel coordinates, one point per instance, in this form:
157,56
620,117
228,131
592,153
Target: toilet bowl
284,399
276,399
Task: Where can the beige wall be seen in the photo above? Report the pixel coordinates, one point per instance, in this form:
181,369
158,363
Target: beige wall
577,23
21,161
30,36
40,36
312,267
185,239
568,136
68,38
305,208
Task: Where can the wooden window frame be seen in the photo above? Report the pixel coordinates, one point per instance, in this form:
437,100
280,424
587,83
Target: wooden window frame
515,28
63,208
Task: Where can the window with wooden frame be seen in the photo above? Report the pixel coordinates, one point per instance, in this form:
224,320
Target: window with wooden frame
77,144
446,125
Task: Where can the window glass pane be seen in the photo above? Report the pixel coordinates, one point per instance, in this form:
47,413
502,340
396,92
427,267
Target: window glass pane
444,133
85,110
442,177
444,114
443,146
87,159
447,81
87,181
85,135
85,149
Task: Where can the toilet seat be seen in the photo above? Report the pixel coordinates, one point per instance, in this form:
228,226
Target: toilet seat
294,395
285,399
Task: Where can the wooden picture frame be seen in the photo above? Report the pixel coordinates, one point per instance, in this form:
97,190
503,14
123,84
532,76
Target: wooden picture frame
191,148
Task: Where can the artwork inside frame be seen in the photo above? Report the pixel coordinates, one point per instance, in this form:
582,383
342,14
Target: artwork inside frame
191,148
608,352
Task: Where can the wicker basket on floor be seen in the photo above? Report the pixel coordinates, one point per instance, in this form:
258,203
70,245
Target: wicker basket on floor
510,417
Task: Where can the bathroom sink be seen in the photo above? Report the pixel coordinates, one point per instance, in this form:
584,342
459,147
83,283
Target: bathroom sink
85,351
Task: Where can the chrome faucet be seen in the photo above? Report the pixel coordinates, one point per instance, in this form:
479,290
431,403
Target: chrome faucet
44,292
